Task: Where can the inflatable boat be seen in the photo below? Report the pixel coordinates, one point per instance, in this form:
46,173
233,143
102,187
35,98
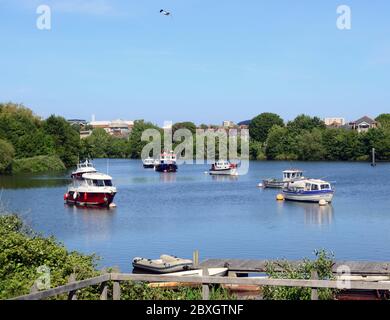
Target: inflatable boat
166,264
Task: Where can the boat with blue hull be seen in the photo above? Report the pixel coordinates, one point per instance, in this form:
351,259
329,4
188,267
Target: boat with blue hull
309,190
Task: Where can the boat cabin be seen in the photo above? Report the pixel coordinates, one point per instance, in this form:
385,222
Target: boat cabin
309,185
291,175
167,157
97,180
86,164
317,185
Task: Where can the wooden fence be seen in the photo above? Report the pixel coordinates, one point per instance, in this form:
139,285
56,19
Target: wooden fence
116,278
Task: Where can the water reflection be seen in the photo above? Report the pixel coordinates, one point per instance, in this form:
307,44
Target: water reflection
167,177
221,178
314,213
33,181
96,222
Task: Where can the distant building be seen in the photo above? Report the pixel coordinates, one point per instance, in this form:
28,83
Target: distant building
120,128
363,124
334,122
228,124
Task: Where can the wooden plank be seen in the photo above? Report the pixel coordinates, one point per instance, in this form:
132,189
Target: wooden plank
116,290
103,290
243,266
65,288
205,287
314,291
358,285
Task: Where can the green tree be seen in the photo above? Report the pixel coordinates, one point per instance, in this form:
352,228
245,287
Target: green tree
136,145
184,125
6,156
384,120
342,144
262,124
309,145
304,122
66,139
280,144
22,129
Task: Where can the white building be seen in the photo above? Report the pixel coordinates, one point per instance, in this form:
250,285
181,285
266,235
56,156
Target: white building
334,122
228,124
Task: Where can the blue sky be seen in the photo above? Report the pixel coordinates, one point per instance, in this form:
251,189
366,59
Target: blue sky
210,61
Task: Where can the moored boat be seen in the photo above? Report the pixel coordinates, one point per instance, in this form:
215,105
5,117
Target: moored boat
166,163
83,167
288,176
166,264
223,167
308,190
149,163
95,189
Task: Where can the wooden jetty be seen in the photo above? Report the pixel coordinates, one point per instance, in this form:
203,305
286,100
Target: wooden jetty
367,276
259,266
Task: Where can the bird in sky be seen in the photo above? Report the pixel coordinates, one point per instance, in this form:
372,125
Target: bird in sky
165,13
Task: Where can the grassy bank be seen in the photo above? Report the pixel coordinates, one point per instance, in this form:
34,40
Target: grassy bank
38,164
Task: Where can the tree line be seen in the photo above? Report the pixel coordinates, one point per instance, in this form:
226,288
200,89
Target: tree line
308,139
29,143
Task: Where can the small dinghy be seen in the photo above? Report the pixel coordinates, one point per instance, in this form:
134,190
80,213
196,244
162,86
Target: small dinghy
166,264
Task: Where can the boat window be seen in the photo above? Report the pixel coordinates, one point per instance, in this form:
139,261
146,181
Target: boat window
288,175
314,187
98,183
325,186
108,183
308,186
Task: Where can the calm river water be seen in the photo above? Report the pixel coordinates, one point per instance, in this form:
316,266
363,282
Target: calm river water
222,217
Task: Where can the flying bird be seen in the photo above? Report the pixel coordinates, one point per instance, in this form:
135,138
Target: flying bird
165,13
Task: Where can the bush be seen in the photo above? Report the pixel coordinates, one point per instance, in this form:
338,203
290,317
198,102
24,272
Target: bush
22,252
6,155
284,270
38,164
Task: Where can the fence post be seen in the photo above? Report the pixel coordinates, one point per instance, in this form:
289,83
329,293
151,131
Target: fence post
72,294
103,291
205,287
195,258
116,290
314,291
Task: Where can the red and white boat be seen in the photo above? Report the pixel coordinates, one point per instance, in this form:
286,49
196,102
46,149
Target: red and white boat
223,167
83,167
95,189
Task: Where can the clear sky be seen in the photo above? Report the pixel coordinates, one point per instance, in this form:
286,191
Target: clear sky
210,61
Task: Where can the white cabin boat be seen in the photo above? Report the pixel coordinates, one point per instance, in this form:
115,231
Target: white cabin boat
223,167
288,176
149,163
95,189
308,190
